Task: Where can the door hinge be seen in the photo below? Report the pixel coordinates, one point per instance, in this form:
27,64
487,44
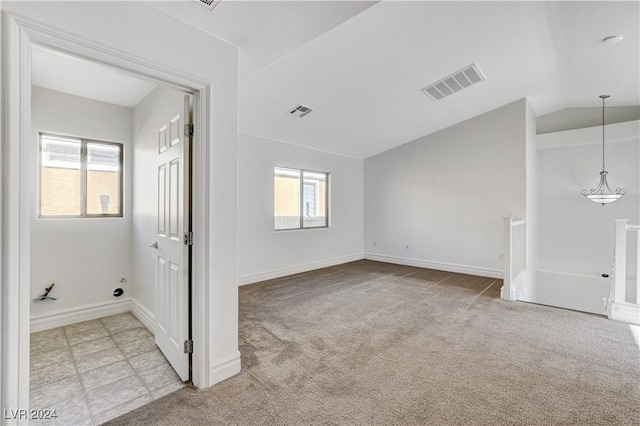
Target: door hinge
188,238
188,346
188,130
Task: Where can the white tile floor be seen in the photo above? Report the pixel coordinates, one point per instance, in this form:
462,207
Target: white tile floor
94,371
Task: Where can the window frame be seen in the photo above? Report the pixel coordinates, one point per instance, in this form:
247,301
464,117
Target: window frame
301,225
316,195
83,177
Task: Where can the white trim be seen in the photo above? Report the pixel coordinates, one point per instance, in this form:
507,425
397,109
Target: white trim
278,273
144,315
18,35
616,132
92,311
201,299
15,199
625,312
515,288
439,266
549,271
77,314
253,135
61,41
224,368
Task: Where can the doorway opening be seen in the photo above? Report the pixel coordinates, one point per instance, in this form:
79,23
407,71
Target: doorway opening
19,35
111,227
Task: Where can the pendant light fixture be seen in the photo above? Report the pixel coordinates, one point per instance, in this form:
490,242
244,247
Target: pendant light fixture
603,194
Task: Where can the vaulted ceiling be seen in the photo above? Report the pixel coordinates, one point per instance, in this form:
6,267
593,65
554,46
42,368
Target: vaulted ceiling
363,78
361,65
264,31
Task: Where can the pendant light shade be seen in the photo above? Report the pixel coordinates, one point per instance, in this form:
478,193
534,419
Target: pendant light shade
603,194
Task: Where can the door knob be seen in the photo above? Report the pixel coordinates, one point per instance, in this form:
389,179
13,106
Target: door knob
154,245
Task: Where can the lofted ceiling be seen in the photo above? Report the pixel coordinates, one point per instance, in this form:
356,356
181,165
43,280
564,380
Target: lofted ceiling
361,65
363,78
263,31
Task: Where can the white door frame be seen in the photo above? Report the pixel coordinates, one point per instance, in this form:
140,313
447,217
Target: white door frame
18,35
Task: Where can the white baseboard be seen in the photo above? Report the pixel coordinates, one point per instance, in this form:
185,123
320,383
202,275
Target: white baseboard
578,292
224,368
439,266
77,314
625,312
512,295
144,315
250,279
522,285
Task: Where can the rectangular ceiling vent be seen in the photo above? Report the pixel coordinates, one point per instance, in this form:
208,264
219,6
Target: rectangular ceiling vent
209,4
454,83
300,110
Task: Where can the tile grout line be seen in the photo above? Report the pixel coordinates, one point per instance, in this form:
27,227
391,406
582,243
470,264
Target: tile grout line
135,371
75,365
66,346
69,346
43,351
126,359
32,370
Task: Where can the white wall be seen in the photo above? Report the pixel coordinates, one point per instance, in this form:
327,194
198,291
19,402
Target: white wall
529,284
444,195
85,257
149,115
139,30
576,236
265,253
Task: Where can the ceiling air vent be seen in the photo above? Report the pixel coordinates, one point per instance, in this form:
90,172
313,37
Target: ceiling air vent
454,83
209,4
300,110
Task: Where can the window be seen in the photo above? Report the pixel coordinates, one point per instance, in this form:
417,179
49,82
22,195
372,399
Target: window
79,177
300,199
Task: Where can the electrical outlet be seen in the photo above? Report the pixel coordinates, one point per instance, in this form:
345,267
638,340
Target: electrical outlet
501,256
375,244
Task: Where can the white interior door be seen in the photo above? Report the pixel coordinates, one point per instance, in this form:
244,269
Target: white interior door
172,260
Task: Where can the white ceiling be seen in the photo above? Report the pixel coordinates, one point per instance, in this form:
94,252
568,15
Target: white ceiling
586,66
363,78
263,30
361,65
68,74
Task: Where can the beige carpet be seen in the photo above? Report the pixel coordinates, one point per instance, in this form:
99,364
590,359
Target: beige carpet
371,343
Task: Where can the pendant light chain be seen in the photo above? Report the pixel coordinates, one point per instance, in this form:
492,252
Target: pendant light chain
603,98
